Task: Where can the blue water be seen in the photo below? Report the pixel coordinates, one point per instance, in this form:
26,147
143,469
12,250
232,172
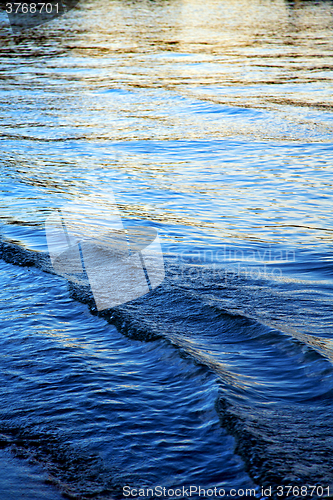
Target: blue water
211,122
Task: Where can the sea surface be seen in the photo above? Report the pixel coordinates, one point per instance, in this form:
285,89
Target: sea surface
210,121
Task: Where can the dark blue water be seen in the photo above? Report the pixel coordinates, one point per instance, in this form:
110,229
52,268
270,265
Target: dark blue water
213,124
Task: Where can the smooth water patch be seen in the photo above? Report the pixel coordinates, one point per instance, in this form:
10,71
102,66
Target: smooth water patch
20,480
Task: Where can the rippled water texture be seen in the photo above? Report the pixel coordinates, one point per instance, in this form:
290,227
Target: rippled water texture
211,122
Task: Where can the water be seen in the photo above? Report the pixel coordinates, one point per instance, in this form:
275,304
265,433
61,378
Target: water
211,122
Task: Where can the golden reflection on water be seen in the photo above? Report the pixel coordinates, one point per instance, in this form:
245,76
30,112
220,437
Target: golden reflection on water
213,42
179,71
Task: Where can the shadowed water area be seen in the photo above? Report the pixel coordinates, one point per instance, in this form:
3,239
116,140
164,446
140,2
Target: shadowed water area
212,123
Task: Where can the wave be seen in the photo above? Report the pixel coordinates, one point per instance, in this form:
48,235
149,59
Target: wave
275,384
